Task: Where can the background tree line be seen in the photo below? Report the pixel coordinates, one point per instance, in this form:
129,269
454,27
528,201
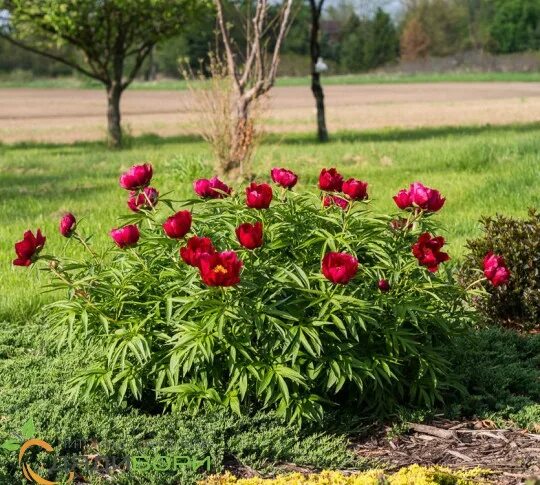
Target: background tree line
354,38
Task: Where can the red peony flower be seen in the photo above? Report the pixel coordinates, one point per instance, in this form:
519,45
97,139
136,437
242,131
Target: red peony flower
136,177
258,196
384,285
211,188
29,248
330,180
419,196
67,224
196,247
339,267
250,235
428,251
284,177
126,236
335,200
355,189
220,269
178,225
495,269
147,199
402,199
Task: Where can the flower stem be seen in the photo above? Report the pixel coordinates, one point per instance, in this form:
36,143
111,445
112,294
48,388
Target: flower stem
79,238
474,283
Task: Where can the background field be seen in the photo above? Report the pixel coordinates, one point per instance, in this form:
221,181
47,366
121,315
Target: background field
67,115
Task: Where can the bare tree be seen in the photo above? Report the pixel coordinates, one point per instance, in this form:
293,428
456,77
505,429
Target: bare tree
315,52
252,73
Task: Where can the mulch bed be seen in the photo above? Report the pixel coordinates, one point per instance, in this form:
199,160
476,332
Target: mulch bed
514,455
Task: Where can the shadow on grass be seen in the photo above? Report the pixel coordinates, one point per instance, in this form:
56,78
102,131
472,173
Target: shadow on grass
382,135
406,134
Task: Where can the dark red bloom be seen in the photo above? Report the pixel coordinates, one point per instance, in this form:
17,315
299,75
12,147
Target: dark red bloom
146,199
495,269
284,177
220,269
355,189
67,224
211,188
339,267
136,177
250,235
258,196
335,200
330,180
428,251
178,225
195,248
28,249
384,285
126,236
402,199
419,196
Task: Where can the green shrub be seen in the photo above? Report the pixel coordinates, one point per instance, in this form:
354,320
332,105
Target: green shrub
282,334
518,302
499,372
33,385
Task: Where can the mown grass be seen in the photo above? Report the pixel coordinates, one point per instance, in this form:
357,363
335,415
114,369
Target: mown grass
481,170
329,80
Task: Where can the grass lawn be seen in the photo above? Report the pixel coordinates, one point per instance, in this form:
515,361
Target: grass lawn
481,170
344,79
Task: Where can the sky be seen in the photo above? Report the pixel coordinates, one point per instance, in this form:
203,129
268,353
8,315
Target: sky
393,7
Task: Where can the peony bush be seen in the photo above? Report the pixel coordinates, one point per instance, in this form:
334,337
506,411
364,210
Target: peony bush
263,297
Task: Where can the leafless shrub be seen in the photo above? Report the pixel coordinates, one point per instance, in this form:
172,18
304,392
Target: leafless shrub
232,140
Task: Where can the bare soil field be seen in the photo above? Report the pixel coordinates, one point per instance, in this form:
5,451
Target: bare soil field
67,115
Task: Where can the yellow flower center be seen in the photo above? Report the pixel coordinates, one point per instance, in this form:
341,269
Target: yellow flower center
220,269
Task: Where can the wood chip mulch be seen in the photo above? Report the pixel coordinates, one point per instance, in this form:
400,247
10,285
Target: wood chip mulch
514,455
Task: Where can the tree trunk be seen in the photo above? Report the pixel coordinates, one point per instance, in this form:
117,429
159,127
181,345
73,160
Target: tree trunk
316,86
237,166
114,127
151,71
317,90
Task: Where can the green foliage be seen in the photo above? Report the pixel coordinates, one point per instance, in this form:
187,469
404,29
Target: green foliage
22,65
368,43
111,38
518,240
500,372
445,24
33,384
382,45
262,444
191,47
285,338
515,26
